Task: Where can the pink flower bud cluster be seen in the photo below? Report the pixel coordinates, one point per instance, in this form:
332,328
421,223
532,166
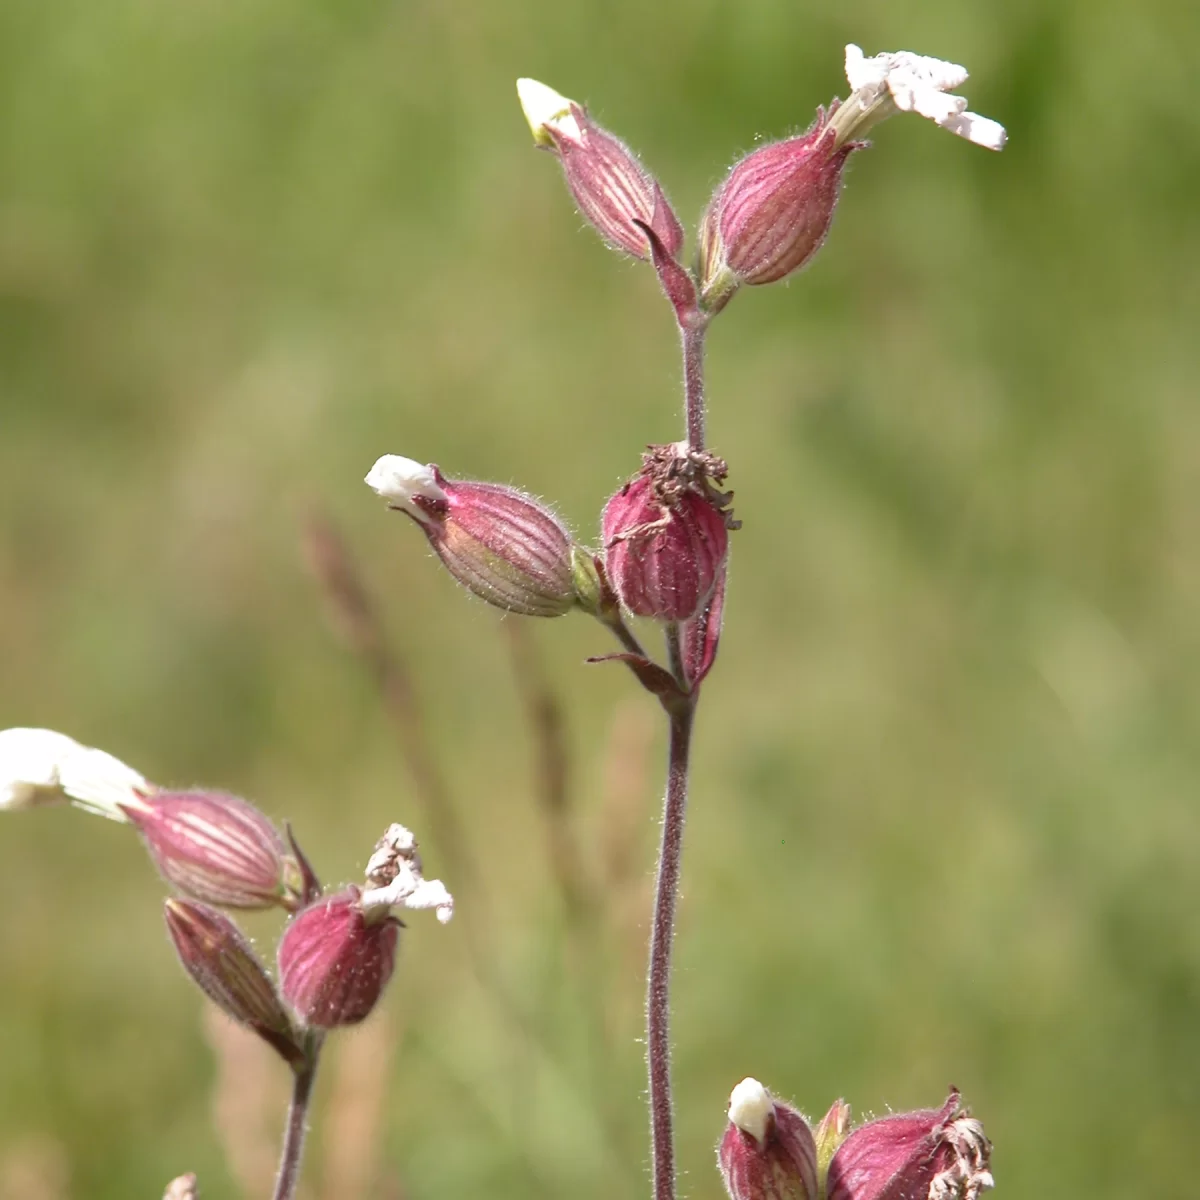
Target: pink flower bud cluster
769,1152
665,542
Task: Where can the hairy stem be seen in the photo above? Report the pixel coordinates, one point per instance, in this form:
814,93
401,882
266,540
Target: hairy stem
297,1126
692,336
624,634
658,994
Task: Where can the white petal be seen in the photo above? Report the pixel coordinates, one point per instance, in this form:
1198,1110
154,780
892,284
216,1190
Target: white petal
545,109
983,131
861,71
29,761
39,766
431,893
100,783
398,480
937,106
750,1106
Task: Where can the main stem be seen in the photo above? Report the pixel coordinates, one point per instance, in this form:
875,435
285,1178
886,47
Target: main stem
692,336
681,713
297,1126
658,996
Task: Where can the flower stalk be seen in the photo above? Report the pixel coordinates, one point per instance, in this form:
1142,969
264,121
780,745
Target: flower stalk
658,990
692,339
303,1079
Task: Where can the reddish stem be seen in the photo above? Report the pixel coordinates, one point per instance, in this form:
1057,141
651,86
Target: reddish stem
692,336
297,1126
658,995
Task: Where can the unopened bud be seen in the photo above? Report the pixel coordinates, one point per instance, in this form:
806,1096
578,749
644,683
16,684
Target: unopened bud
665,533
767,1152
335,960
499,543
830,1134
223,964
932,1154
39,766
612,188
590,588
771,214
217,848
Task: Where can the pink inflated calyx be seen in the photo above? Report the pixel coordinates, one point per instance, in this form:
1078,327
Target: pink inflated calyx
931,1154
614,191
503,545
612,188
216,847
335,960
772,213
506,547
666,533
767,1151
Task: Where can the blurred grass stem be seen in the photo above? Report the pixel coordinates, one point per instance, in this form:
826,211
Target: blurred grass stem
544,713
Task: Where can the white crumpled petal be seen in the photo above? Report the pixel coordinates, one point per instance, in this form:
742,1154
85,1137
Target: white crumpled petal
40,766
431,893
917,83
395,871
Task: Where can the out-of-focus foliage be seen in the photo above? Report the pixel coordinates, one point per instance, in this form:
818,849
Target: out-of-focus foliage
945,822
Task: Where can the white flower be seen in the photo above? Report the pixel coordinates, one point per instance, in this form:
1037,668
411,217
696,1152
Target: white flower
395,879
545,109
39,766
750,1108
400,480
921,85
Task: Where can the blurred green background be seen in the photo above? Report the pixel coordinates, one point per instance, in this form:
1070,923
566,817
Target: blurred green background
944,823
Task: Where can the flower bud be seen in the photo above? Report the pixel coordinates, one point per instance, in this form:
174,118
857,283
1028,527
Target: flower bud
665,534
767,1152
497,542
612,188
215,847
830,1134
224,966
932,1154
39,766
335,960
771,214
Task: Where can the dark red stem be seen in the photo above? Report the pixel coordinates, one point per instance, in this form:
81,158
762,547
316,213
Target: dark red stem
658,995
297,1126
692,335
